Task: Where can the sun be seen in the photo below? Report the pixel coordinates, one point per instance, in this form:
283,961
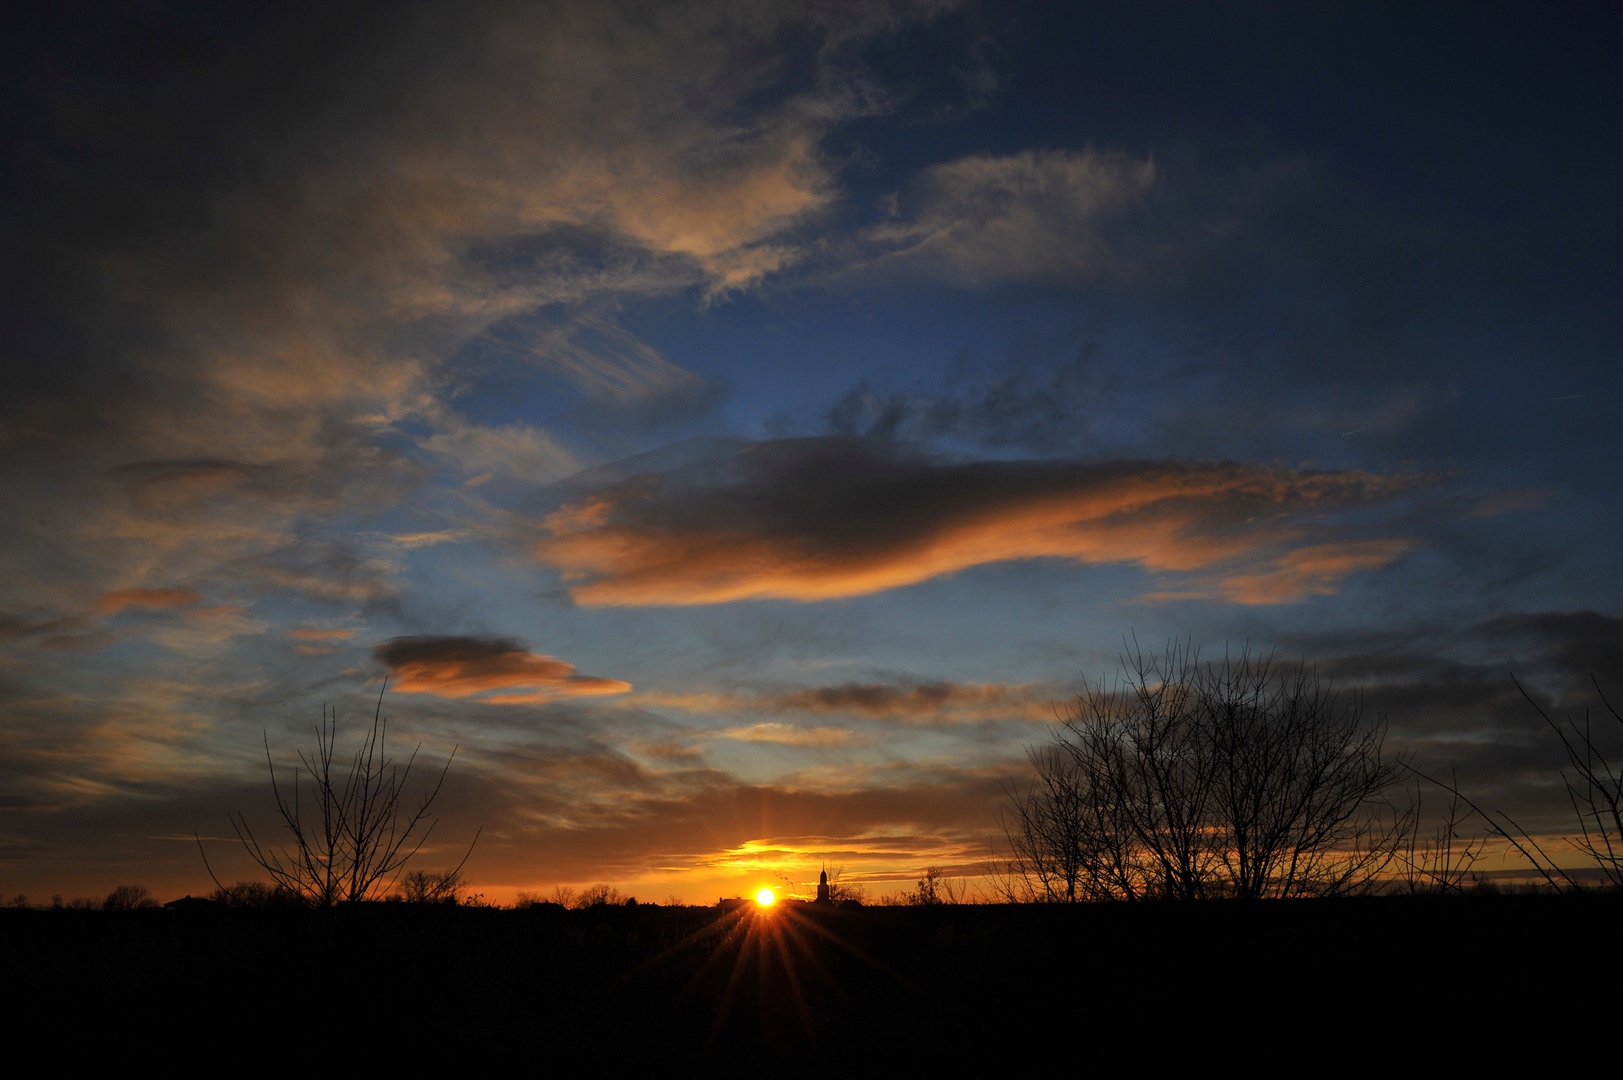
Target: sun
766,897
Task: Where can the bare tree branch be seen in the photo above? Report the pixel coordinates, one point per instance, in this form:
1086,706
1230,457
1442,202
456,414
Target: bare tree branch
361,832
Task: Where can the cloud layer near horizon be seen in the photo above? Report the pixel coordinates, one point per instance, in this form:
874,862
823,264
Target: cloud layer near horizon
820,519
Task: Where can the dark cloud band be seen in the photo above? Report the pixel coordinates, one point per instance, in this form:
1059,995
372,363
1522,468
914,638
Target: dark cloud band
817,519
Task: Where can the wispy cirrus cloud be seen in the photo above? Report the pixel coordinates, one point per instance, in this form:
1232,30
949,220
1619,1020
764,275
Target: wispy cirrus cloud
820,519
591,353
1037,215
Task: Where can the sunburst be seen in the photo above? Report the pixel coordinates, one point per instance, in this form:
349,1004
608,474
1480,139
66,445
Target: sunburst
777,942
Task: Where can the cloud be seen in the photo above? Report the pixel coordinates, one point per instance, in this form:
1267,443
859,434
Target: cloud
567,816
942,699
788,735
238,336
820,519
310,633
1037,215
1579,644
517,450
908,703
166,486
593,354
67,748
1045,411
459,667
1312,571
92,642
119,599
243,356
592,815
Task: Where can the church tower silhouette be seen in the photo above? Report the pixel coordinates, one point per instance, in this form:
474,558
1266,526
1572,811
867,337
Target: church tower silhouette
822,887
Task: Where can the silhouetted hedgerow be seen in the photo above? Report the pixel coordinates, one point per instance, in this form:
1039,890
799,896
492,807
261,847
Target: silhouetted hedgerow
801,990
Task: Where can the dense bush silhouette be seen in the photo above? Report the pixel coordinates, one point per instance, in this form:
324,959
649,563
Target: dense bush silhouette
129,898
430,887
255,894
597,896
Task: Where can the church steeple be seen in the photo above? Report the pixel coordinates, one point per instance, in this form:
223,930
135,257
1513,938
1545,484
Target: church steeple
822,887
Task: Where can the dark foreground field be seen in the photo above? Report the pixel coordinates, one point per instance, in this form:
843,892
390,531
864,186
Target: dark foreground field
801,991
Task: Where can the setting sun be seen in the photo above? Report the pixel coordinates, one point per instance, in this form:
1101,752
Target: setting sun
766,897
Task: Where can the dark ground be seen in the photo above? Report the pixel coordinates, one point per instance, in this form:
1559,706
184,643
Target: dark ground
954,990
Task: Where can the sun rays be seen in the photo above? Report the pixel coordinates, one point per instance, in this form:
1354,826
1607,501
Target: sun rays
788,950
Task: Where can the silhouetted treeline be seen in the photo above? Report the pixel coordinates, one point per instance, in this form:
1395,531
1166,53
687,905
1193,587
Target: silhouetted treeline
701,991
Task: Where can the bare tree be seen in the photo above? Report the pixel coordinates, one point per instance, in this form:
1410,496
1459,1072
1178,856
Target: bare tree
1061,837
933,889
1446,860
1594,788
357,832
1187,780
1146,772
1299,780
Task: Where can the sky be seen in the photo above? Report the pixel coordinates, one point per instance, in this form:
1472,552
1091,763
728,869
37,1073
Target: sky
738,430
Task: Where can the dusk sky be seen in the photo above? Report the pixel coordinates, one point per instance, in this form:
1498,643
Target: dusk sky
738,428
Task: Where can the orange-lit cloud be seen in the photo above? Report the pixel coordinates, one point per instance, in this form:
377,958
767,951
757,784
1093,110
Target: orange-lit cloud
309,633
460,667
789,735
594,812
819,519
318,639
1312,571
119,599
